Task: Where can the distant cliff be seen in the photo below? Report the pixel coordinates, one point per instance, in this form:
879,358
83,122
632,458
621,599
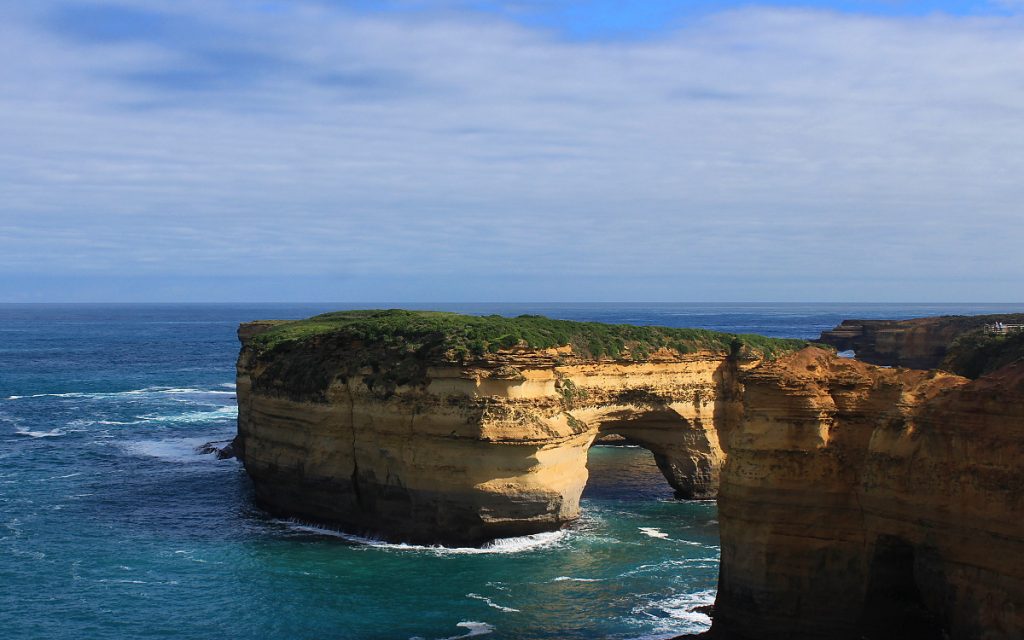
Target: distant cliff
860,502
919,343
441,428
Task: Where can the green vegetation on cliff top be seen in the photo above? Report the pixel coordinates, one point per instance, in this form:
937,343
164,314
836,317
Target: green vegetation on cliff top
466,336
980,352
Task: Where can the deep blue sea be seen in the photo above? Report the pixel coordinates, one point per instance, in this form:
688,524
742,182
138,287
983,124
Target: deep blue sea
112,526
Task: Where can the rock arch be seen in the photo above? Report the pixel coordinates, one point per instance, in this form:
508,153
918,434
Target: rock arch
463,455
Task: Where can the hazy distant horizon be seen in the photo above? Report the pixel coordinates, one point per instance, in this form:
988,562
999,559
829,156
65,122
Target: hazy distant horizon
996,307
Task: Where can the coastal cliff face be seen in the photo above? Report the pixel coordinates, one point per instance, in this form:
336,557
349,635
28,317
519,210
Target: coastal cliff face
854,501
866,502
918,343
418,446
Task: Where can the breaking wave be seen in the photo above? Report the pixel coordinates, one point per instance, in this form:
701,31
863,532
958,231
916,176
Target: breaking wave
172,449
52,433
473,629
132,392
501,545
679,613
491,603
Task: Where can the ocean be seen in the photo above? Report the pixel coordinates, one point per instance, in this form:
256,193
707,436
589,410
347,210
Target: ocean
113,526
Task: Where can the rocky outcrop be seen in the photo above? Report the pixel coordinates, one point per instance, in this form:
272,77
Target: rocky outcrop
425,445
866,502
918,343
855,501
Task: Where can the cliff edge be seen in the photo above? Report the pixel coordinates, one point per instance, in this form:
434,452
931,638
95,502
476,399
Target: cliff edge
440,428
861,502
917,343
855,501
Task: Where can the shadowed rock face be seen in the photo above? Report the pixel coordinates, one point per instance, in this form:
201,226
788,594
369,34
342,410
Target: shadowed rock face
866,502
856,501
443,453
918,343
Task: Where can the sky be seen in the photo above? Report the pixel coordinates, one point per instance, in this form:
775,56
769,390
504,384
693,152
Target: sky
531,150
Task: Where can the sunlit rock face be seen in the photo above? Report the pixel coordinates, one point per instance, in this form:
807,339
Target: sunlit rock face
854,501
465,454
859,502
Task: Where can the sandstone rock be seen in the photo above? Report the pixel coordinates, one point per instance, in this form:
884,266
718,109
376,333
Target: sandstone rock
866,502
420,444
856,501
919,343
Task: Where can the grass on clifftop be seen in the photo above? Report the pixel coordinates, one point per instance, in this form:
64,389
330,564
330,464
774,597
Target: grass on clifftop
977,353
466,336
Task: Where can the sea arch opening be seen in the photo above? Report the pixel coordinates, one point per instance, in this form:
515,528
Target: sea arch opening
684,444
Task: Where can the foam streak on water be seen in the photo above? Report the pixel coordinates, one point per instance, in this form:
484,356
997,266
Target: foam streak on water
499,546
112,522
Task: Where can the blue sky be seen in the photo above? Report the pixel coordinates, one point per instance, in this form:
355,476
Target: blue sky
461,150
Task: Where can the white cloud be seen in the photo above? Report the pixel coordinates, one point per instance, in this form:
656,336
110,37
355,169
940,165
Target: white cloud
768,146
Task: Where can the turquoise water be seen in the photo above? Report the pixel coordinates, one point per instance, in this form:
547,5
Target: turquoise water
112,526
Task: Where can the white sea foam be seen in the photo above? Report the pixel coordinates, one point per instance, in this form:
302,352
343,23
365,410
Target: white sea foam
501,545
572,579
654,532
681,612
130,392
491,603
472,629
222,413
670,566
171,449
52,433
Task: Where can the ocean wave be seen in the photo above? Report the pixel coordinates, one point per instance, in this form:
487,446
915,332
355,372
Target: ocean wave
572,579
669,566
131,392
681,609
501,545
69,475
491,603
221,413
128,581
654,532
181,450
473,629
52,433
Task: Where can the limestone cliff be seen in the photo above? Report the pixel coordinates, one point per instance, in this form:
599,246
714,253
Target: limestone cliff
867,502
441,428
854,501
919,343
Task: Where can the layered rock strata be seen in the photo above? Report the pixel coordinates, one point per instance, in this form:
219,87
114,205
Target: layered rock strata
919,343
418,447
854,501
861,502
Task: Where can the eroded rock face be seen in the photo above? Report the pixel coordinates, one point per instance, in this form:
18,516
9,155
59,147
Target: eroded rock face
919,343
867,502
432,452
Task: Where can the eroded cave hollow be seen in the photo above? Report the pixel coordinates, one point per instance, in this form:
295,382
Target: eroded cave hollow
687,453
896,607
